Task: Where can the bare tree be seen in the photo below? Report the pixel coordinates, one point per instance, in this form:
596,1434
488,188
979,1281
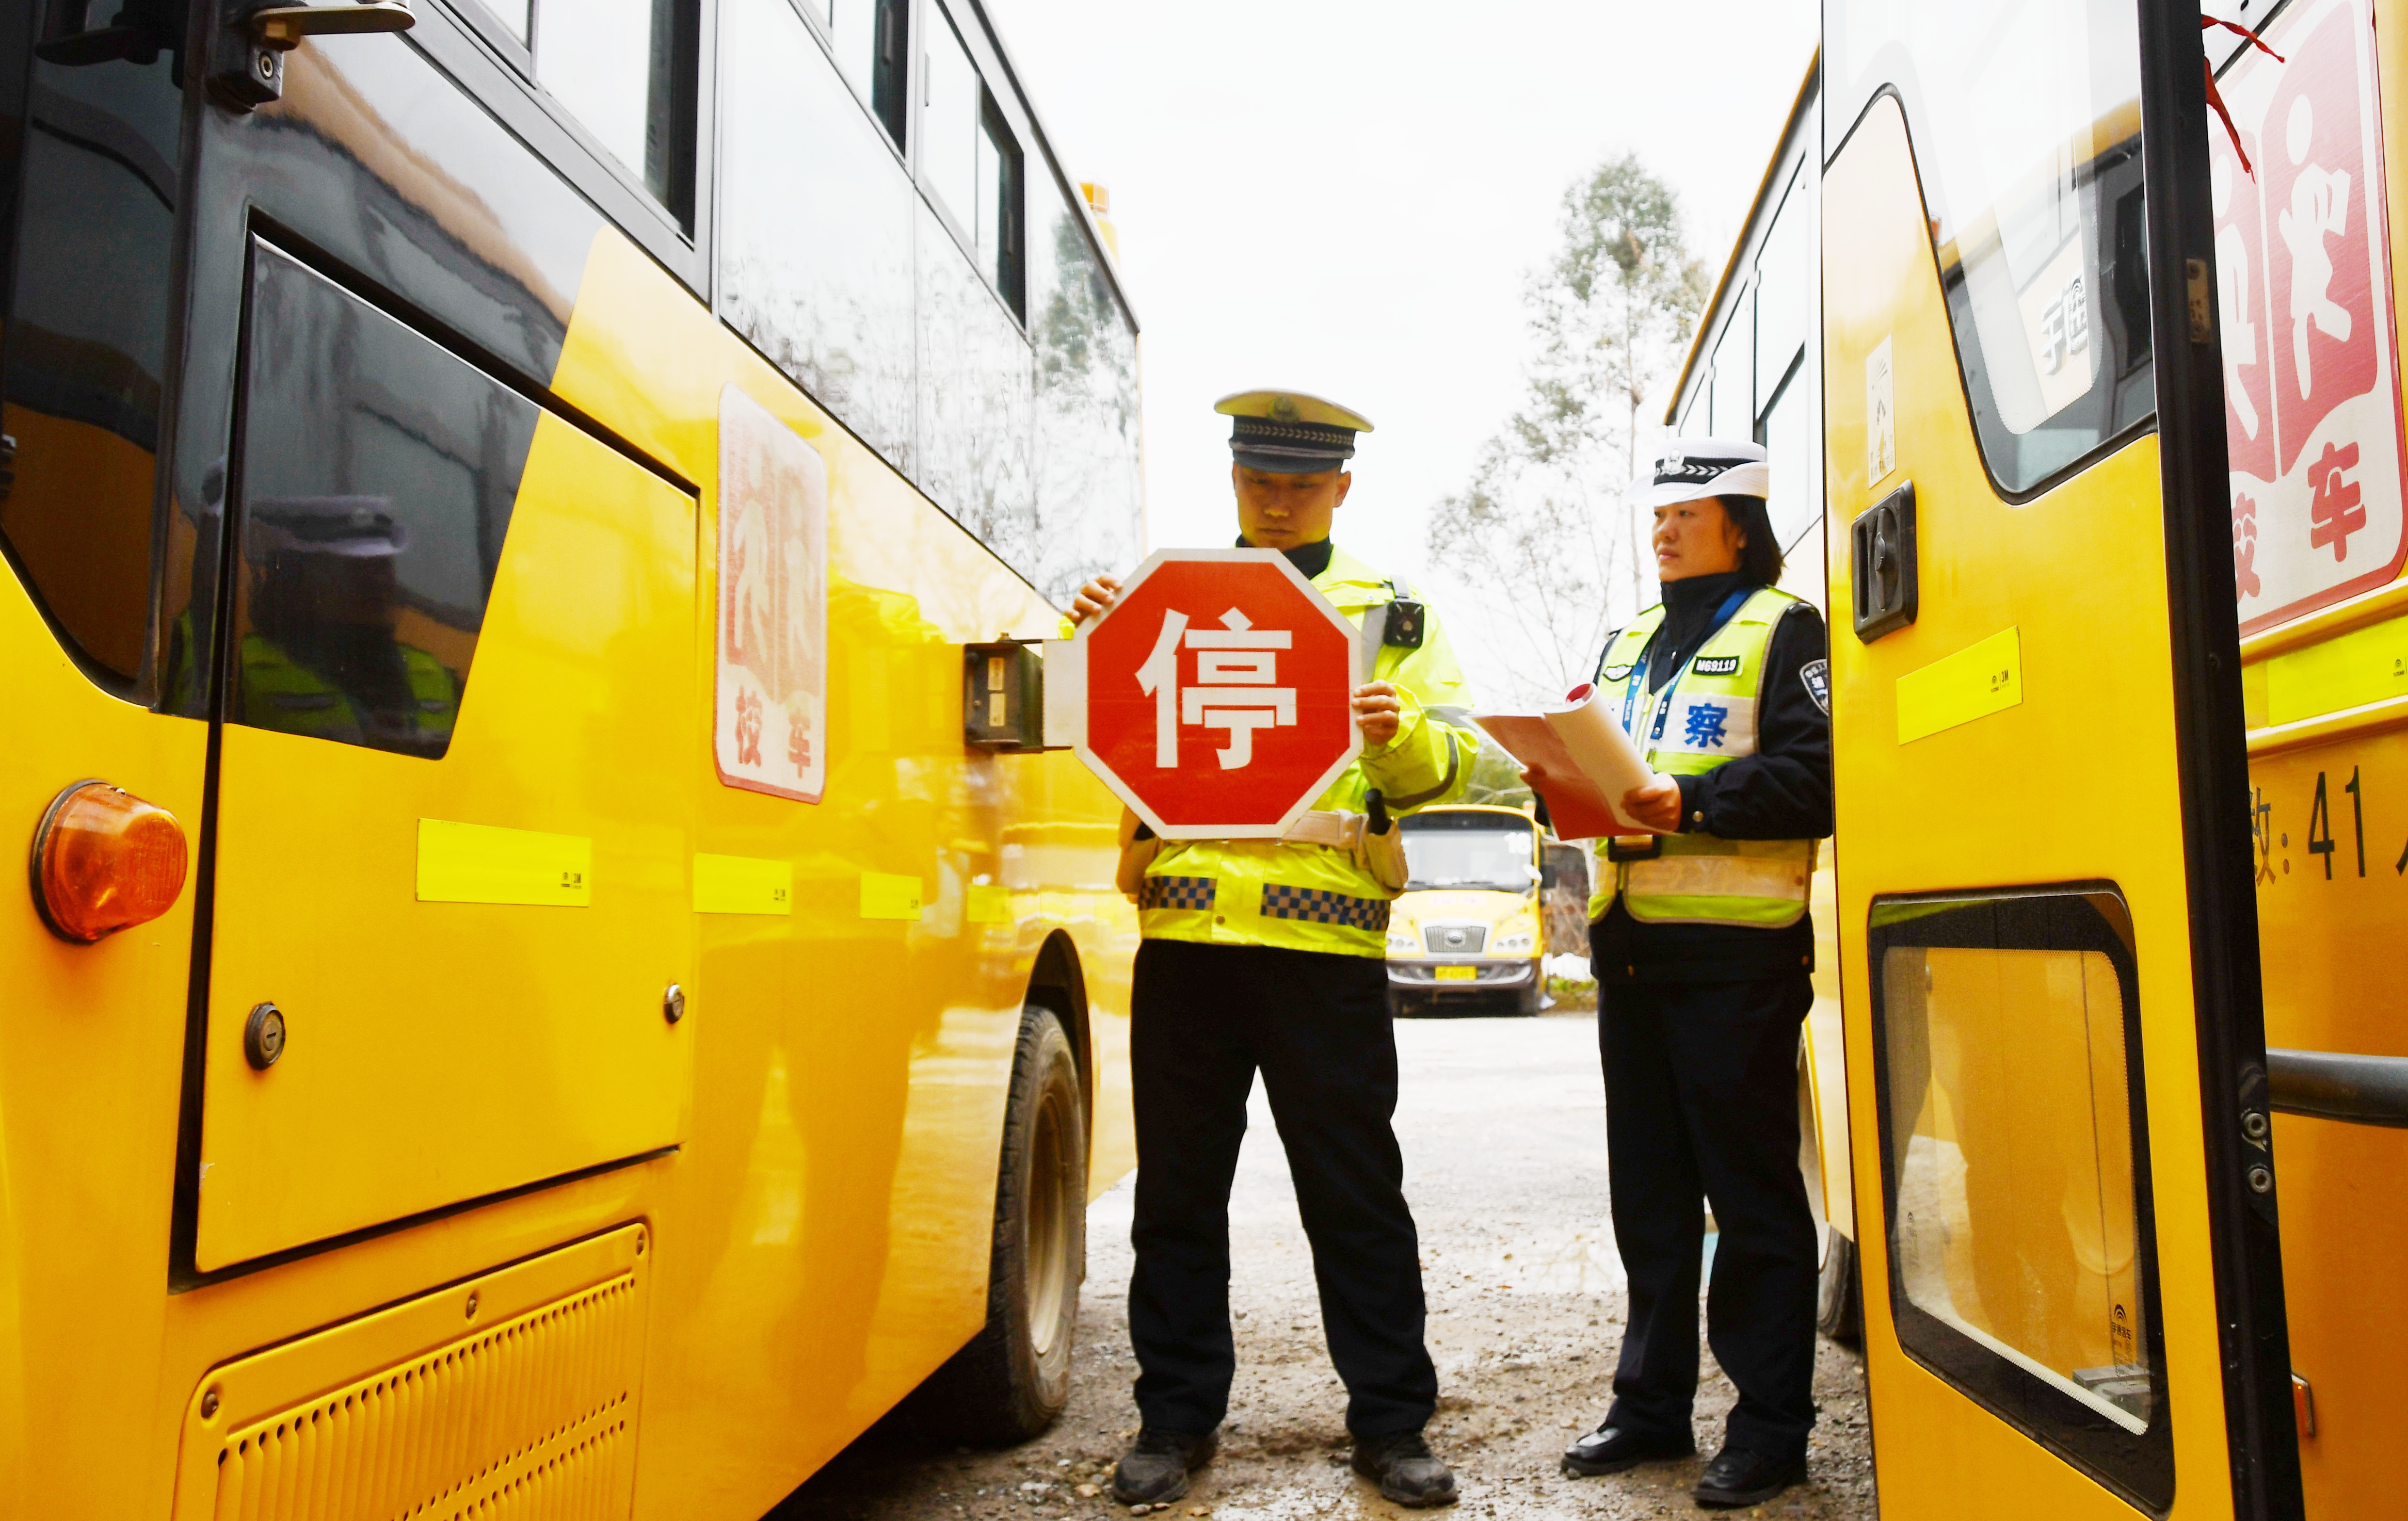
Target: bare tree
1544,534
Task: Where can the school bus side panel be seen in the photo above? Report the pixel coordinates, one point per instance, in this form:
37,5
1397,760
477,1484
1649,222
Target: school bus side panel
94,1037
828,1243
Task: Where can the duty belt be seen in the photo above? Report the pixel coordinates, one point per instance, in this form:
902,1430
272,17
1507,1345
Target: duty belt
1336,827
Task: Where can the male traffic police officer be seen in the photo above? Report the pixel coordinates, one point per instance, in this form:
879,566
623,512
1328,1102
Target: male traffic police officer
1702,950
1270,954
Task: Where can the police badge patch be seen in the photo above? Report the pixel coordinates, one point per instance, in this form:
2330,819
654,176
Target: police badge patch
1817,676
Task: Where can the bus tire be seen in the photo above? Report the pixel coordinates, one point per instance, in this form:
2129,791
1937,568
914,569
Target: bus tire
1014,1378
1839,1298
1529,1000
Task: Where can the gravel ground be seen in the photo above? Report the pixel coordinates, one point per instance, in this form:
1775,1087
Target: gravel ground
1503,1129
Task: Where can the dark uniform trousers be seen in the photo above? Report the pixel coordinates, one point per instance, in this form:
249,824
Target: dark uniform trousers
1204,1018
1702,1106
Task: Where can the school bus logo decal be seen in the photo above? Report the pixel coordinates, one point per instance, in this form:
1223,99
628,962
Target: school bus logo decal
770,727
2311,365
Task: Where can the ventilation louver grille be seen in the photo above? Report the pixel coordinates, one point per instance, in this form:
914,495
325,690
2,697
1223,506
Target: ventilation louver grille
531,1416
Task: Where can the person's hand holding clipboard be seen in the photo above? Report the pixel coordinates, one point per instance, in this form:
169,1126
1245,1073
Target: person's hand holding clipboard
1594,780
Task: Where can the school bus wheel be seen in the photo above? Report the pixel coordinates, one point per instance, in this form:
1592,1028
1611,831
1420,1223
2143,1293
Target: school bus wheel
1014,1378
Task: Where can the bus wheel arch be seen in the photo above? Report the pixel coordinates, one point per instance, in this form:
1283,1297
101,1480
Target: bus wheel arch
1012,1378
1057,981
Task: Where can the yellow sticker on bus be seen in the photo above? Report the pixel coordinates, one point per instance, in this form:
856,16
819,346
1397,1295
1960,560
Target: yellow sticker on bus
1976,682
480,863
742,884
2365,665
886,896
989,903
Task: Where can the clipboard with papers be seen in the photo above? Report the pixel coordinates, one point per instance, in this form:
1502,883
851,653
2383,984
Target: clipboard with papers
1580,761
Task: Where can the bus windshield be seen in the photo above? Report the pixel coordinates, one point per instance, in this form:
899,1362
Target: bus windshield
1492,856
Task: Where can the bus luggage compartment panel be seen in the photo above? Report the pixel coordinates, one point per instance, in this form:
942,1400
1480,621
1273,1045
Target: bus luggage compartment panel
511,1394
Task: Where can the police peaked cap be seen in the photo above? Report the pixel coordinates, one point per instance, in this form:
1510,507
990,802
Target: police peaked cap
1288,433
1693,469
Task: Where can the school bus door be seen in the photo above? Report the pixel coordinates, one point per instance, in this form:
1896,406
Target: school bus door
451,669
2071,1287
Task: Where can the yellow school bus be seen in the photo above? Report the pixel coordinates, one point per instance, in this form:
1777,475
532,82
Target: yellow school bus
2103,443
548,982
1469,931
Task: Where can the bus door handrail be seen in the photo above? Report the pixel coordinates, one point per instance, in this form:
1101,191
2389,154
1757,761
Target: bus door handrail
2335,1085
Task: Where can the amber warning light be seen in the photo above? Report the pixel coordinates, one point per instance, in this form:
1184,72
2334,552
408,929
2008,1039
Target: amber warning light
105,859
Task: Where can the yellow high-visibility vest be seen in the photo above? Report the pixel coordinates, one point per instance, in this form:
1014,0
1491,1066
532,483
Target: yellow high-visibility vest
1704,717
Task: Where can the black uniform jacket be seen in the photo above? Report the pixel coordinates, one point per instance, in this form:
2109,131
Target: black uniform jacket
1781,793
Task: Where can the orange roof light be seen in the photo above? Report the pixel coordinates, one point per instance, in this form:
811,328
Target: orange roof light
105,859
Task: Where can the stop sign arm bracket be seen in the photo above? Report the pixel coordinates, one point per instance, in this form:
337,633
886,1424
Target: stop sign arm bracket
1003,696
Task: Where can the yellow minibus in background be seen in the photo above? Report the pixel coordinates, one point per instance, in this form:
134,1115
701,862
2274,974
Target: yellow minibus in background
2100,452
1469,931
531,995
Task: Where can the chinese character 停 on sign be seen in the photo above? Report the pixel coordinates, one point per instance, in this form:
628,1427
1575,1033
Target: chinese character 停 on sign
1236,667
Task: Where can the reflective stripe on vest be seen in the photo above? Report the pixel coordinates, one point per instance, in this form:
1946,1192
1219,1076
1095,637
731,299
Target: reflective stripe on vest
1704,717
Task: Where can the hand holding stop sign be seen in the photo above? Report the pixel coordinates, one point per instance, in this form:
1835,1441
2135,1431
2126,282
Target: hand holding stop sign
1376,710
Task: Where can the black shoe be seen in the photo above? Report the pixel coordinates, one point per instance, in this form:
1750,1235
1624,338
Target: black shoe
1610,1449
1155,1471
1740,1476
1406,1471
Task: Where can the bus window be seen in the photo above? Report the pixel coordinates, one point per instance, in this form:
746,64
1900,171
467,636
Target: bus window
816,252
2022,1266
975,399
378,476
872,41
999,217
2025,121
949,126
1466,849
970,160
100,163
1090,501
514,14
1792,435
1734,402
1786,307
625,69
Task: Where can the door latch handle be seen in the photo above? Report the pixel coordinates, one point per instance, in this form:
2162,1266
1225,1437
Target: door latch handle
248,41
284,26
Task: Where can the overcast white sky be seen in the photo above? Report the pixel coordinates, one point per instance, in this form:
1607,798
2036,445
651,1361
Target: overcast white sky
1345,196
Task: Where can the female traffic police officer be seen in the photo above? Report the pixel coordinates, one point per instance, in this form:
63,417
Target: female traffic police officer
1271,955
1702,947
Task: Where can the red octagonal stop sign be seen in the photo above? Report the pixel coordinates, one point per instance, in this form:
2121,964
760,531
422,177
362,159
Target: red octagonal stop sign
1218,694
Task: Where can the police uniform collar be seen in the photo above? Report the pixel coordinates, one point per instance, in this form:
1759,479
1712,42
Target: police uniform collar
1311,559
